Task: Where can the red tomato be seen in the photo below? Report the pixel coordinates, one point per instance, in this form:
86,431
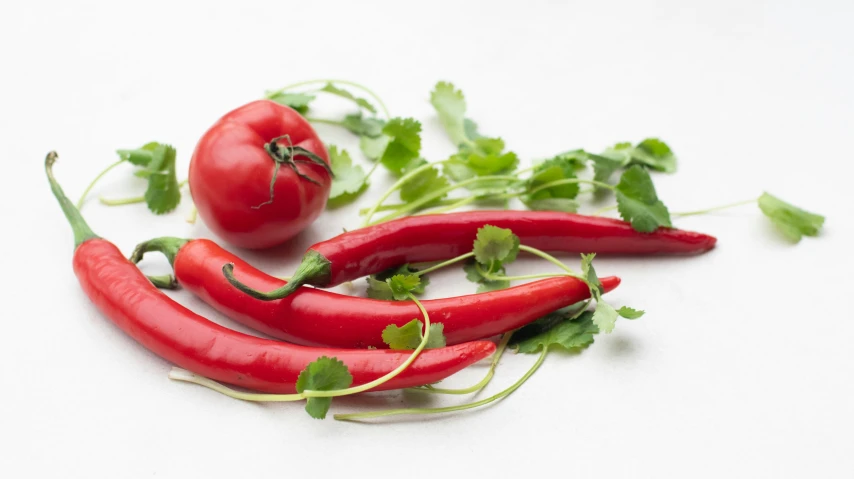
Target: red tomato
235,162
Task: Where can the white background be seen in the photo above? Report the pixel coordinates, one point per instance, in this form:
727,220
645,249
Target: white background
742,367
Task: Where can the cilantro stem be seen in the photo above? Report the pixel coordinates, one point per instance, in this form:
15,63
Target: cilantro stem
444,263
437,194
194,213
179,374
502,345
462,407
551,259
132,200
100,175
498,277
716,208
367,386
396,186
342,82
570,181
371,172
603,210
325,121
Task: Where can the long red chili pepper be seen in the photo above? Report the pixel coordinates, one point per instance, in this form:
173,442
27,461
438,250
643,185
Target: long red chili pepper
417,239
173,332
316,317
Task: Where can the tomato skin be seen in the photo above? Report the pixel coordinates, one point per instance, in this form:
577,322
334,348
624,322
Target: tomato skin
230,174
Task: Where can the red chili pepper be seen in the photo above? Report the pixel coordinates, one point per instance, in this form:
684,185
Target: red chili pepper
423,238
260,175
175,333
316,317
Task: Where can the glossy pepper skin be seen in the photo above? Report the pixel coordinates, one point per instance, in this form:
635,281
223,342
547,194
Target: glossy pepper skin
123,294
424,238
231,170
317,317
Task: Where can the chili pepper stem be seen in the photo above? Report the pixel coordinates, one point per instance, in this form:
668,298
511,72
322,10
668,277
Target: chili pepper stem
501,395
314,269
167,245
82,231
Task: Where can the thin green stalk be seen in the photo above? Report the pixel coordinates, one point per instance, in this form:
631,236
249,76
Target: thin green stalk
716,208
502,345
371,171
603,210
194,213
342,82
415,205
498,277
445,263
100,175
551,259
179,374
325,121
462,407
367,386
570,181
132,200
396,186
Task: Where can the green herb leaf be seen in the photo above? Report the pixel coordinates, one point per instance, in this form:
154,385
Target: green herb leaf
495,246
363,126
410,335
570,334
402,285
349,181
373,148
553,170
654,154
792,221
404,144
361,102
630,313
565,205
163,193
324,374
405,270
605,316
297,101
450,104
425,182
638,203
485,285
379,289
141,156
589,273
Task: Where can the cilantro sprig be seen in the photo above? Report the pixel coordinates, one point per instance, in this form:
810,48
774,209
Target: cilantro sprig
156,164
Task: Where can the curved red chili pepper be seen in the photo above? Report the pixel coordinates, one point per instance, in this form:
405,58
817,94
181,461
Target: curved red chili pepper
175,333
316,317
423,238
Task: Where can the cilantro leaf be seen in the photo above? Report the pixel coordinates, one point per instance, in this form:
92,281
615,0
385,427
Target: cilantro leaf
792,221
379,288
410,335
297,101
605,316
423,183
485,285
654,154
638,203
495,246
349,181
373,148
589,273
163,193
363,126
402,285
570,334
323,374
141,156
604,167
552,170
450,104
630,313
552,204
404,144
361,102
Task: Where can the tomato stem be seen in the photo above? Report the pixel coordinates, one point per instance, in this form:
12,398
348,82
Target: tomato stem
287,156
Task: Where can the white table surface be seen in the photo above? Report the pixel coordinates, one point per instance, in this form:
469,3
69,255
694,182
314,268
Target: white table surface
742,367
